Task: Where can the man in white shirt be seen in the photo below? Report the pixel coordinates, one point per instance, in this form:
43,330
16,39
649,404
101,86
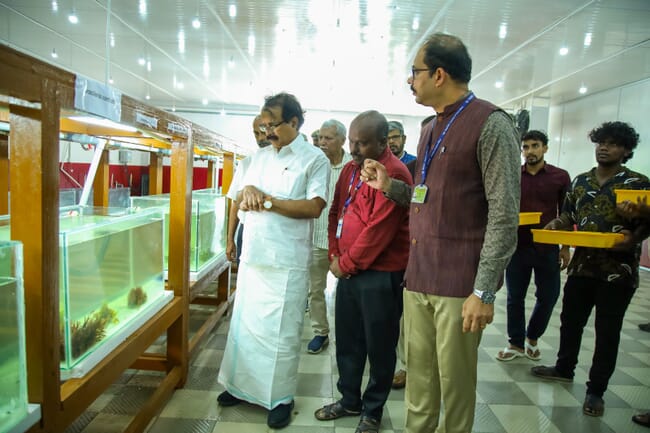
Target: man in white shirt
331,140
285,189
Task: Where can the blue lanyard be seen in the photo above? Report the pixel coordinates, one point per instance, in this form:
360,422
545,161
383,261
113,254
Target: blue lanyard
428,156
350,192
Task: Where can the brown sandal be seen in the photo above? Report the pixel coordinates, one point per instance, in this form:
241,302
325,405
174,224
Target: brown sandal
367,425
334,411
593,405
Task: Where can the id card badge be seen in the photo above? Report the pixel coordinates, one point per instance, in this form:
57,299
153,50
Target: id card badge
339,228
419,193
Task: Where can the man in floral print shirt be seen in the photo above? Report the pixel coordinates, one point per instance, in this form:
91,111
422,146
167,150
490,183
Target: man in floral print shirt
604,278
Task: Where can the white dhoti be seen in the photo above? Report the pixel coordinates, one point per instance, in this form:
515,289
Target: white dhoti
260,363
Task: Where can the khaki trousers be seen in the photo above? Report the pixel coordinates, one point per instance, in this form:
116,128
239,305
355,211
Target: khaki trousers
401,351
318,269
441,362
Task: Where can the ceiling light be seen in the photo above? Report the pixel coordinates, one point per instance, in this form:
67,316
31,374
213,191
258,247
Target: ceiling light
498,84
142,61
147,97
73,18
251,45
110,80
416,23
196,23
204,101
55,6
564,51
231,63
174,107
232,11
503,31
142,7
181,41
103,122
112,39
587,39
149,65
54,54
180,85
582,89
206,66
222,112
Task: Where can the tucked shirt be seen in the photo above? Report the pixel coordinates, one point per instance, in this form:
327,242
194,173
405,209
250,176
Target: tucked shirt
320,224
298,171
542,192
375,229
592,208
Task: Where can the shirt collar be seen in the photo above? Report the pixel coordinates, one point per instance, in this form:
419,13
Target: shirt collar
451,109
523,168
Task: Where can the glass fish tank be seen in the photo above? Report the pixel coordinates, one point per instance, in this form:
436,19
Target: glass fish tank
117,197
13,368
67,197
208,230
110,280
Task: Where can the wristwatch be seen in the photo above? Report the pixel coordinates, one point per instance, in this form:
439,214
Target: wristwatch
268,204
485,296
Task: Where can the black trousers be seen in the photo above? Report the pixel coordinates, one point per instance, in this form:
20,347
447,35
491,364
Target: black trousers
611,301
368,308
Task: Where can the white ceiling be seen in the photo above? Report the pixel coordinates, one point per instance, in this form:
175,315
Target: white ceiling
344,55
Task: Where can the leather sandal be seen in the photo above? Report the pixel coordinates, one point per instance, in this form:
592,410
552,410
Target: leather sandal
367,425
334,411
593,405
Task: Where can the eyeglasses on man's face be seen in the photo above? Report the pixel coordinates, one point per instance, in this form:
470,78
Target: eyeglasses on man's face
267,127
414,71
394,137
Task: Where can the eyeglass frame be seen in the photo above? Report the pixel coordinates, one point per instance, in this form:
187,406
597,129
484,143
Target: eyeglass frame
266,128
415,70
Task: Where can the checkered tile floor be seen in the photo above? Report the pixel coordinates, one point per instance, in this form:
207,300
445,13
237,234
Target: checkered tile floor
509,399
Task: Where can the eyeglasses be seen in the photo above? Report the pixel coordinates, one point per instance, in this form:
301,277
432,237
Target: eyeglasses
268,127
414,70
393,137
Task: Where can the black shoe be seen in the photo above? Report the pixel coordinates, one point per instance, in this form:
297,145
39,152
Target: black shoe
227,399
549,373
593,405
280,416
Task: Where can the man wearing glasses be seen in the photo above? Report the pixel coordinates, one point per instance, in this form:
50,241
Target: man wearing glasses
285,188
464,213
397,140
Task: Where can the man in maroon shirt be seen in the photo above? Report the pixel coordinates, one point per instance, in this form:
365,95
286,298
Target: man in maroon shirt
368,249
543,187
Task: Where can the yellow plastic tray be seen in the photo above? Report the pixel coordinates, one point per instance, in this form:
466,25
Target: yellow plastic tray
576,239
632,195
528,218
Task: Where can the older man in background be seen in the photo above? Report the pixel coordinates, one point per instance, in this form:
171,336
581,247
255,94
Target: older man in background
331,140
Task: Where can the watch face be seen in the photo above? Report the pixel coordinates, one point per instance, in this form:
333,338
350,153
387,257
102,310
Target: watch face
488,297
267,204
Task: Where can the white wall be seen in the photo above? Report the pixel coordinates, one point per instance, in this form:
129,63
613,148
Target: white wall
569,124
